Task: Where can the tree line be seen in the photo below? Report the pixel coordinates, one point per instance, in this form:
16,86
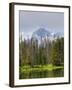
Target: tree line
47,52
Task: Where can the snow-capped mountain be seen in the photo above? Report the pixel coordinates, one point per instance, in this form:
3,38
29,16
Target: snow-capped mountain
43,33
57,34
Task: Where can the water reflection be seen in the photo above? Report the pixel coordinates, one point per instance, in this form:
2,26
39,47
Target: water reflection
42,74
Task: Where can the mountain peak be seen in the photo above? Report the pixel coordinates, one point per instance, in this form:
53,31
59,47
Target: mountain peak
41,32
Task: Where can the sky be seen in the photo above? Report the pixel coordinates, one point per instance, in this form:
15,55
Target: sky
30,21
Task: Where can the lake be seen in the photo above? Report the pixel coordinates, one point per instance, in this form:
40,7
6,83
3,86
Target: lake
42,74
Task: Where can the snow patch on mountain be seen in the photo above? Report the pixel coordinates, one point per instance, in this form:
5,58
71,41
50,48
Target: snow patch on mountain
42,33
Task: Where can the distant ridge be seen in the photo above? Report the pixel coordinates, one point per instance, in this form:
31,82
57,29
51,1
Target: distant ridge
43,33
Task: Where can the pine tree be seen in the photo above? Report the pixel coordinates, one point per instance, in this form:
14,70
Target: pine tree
57,52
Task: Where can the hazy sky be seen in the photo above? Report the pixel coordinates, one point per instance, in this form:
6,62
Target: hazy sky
30,21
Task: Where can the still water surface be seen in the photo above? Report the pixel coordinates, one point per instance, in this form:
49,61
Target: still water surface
42,74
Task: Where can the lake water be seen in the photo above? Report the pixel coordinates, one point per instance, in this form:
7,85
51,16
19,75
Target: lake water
42,74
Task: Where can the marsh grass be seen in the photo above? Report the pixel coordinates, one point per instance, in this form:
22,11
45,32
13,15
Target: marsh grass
49,67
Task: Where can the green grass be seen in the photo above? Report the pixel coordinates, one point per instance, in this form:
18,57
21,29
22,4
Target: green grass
49,67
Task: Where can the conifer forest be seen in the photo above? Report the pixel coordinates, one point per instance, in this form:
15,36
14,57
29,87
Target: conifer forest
41,60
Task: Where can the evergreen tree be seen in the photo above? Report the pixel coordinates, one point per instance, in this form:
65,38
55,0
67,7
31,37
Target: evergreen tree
57,52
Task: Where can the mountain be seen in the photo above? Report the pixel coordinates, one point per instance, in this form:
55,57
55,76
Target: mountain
57,34
43,33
